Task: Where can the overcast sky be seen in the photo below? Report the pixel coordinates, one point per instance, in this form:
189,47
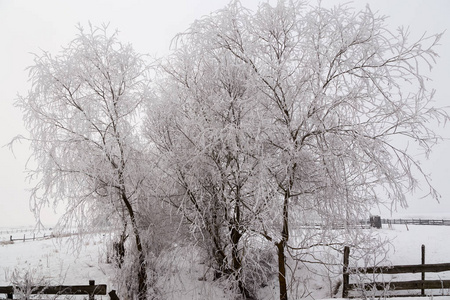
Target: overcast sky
26,26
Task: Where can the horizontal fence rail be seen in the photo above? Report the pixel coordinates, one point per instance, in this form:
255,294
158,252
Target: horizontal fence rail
402,269
404,285
92,289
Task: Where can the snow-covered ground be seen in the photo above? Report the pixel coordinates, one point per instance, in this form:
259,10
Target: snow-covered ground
54,261
407,241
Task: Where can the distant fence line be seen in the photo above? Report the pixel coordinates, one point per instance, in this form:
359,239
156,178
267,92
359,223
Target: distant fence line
362,224
65,231
376,222
9,231
441,222
34,238
44,236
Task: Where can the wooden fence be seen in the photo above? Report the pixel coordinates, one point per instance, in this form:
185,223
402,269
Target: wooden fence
34,238
376,221
391,286
92,289
44,236
442,222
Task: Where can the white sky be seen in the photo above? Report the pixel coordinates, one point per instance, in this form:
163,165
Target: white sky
29,25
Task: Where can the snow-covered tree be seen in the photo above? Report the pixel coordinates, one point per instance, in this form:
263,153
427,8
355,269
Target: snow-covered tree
82,116
340,101
205,130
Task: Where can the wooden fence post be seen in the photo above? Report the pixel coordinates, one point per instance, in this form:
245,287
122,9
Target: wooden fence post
422,292
91,296
345,276
113,295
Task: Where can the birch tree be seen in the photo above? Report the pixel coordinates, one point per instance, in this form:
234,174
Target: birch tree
81,113
343,100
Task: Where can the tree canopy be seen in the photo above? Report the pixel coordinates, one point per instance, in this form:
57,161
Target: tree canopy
271,134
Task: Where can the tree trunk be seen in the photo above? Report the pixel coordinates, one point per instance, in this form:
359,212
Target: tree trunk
281,245
142,275
235,237
237,262
218,253
282,270
142,270
219,256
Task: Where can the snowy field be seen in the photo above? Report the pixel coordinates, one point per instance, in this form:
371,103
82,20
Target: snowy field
50,260
405,249
53,261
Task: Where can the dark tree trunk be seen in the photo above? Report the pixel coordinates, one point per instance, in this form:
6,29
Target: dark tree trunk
220,258
119,247
282,270
237,262
236,235
142,269
218,253
281,246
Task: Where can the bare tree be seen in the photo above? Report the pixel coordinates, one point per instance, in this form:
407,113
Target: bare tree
341,97
82,115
